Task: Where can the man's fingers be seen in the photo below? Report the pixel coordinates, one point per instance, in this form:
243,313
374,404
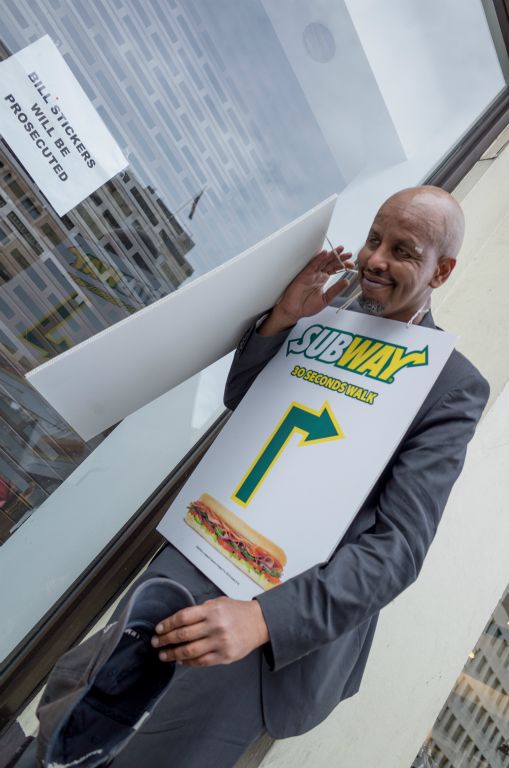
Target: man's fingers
337,260
342,258
192,615
324,257
188,652
342,267
325,265
208,660
326,261
182,634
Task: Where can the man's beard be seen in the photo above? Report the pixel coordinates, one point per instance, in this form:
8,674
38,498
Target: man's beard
371,307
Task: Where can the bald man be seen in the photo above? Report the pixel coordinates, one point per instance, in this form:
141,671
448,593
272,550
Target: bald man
283,661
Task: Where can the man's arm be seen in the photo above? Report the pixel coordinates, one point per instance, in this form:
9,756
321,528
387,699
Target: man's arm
364,575
251,357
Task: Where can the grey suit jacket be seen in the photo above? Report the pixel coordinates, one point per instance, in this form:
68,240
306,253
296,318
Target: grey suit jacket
321,623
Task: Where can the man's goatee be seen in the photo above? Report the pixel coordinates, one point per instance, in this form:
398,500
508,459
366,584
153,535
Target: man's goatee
371,306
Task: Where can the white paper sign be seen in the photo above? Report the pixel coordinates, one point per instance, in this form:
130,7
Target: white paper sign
51,126
304,448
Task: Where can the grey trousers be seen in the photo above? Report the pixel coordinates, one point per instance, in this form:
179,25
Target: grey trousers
210,716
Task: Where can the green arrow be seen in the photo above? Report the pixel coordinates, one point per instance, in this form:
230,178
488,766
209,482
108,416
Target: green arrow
314,426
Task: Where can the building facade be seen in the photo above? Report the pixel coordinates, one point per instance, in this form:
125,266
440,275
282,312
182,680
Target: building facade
472,728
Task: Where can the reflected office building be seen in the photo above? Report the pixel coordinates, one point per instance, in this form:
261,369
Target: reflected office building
61,281
472,729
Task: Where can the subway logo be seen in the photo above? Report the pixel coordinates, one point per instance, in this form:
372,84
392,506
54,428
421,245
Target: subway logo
360,354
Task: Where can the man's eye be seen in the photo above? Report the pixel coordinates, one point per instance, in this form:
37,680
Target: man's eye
402,252
373,240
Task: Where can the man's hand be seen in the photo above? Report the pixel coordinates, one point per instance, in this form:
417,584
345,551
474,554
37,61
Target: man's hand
219,631
305,296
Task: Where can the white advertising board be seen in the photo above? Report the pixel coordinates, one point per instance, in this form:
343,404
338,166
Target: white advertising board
53,129
105,378
304,448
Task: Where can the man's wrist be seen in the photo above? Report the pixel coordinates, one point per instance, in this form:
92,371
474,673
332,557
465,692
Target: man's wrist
260,625
276,322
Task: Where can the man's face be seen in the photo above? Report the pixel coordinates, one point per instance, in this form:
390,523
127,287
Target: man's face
400,263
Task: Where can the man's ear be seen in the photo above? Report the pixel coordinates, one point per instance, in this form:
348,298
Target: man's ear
443,271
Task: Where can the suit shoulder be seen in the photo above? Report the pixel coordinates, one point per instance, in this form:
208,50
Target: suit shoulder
461,368
460,373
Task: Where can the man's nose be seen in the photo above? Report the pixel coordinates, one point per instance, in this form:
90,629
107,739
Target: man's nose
378,259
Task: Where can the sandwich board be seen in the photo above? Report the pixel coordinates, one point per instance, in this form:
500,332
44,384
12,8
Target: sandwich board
105,378
283,481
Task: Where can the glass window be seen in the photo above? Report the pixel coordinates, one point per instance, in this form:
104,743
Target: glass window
235,118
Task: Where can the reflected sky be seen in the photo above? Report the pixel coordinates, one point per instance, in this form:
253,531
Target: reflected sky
198,95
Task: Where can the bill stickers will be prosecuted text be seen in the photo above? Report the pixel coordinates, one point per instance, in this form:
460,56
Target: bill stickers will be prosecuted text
51,126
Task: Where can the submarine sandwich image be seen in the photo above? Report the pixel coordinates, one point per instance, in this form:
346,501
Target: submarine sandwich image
256,556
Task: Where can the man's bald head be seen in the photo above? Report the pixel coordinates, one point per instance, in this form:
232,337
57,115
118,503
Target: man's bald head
411,249
437,208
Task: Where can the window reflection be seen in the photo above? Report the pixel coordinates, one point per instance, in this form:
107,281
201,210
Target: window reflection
63,281
198,95
472,729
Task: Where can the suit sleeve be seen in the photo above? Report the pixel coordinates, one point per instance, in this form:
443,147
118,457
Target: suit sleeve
317,606
251,357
